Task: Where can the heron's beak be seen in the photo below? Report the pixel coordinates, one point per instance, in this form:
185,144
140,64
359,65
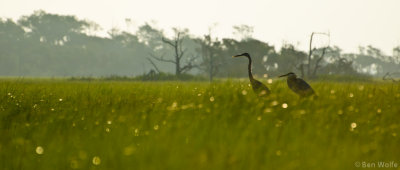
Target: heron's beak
236,56
284,75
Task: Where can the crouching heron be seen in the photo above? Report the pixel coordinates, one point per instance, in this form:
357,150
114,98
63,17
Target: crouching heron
298,85
258,88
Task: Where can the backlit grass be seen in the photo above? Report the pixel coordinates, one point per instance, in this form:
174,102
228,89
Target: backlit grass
195,125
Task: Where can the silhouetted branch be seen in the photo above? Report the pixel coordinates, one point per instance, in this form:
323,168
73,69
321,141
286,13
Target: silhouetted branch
167,42
177,46
190,65
162,59
186,68
317,66
310,52
388,76
182,52
154,65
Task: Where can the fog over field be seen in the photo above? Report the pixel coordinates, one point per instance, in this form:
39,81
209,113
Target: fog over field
103,38
352,23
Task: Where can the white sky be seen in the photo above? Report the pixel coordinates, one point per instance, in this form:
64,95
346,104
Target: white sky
351,23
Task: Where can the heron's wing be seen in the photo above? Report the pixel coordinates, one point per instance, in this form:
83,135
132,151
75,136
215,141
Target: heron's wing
258,87
304,87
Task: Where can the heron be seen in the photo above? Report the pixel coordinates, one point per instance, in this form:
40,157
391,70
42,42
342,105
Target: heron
298,85
258,88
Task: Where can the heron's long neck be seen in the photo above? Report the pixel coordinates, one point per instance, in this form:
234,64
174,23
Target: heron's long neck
250,74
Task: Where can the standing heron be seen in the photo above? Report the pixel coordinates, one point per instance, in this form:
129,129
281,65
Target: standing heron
298,85
258,88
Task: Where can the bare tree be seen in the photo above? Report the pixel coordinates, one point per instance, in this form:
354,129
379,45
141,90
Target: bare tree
310,53
179,53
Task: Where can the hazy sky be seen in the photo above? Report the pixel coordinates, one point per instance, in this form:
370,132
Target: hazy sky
351,23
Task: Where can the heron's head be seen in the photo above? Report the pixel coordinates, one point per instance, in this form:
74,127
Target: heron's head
242,55
289,75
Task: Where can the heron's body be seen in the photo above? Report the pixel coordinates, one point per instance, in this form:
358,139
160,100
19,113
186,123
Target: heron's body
298,85
258,88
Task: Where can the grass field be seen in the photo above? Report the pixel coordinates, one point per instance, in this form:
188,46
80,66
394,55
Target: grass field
59,124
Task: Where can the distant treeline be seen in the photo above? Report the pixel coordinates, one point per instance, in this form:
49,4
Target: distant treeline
44,44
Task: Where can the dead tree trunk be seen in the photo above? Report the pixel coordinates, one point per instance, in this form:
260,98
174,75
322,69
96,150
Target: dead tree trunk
317,66
176,44
309,55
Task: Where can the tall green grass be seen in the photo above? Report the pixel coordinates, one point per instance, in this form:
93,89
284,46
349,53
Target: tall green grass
195,125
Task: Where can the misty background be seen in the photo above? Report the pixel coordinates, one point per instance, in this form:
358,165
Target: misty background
43,44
